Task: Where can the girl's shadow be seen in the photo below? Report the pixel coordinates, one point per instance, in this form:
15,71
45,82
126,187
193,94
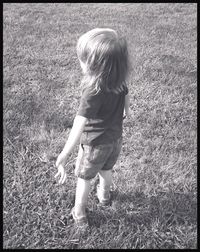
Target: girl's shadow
139,209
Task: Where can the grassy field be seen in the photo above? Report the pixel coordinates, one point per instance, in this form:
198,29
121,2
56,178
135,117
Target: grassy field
155,183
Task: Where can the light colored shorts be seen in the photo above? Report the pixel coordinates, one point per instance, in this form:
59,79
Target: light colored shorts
92,159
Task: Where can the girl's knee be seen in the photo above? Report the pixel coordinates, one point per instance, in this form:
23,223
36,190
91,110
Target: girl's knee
105,172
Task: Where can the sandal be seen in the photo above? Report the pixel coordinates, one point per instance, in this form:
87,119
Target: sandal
81,221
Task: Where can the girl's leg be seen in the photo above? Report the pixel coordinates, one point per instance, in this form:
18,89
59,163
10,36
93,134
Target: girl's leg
105,179
103,189
82,192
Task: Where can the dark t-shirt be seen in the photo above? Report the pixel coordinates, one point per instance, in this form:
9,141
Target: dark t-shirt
104,112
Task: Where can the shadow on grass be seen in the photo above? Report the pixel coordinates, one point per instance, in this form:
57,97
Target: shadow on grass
167,208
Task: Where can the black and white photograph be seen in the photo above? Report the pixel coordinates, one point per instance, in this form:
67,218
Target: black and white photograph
99,125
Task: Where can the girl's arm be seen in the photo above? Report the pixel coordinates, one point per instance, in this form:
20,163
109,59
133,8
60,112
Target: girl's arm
127,105
73,139
75,134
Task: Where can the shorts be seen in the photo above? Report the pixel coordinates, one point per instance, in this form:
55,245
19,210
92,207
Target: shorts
92,159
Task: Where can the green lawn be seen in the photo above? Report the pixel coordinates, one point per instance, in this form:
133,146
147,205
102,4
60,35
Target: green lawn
155,179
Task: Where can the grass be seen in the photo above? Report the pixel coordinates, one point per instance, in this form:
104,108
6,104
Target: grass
154,188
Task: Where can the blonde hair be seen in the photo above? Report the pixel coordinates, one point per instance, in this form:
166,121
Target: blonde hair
105,56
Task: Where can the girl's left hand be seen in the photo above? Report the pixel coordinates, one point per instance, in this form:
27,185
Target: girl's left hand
62,173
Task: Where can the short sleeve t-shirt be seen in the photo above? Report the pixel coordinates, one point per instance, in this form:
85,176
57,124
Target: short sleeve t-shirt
104,112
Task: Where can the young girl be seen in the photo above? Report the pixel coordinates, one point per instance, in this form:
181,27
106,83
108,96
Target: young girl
104,61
